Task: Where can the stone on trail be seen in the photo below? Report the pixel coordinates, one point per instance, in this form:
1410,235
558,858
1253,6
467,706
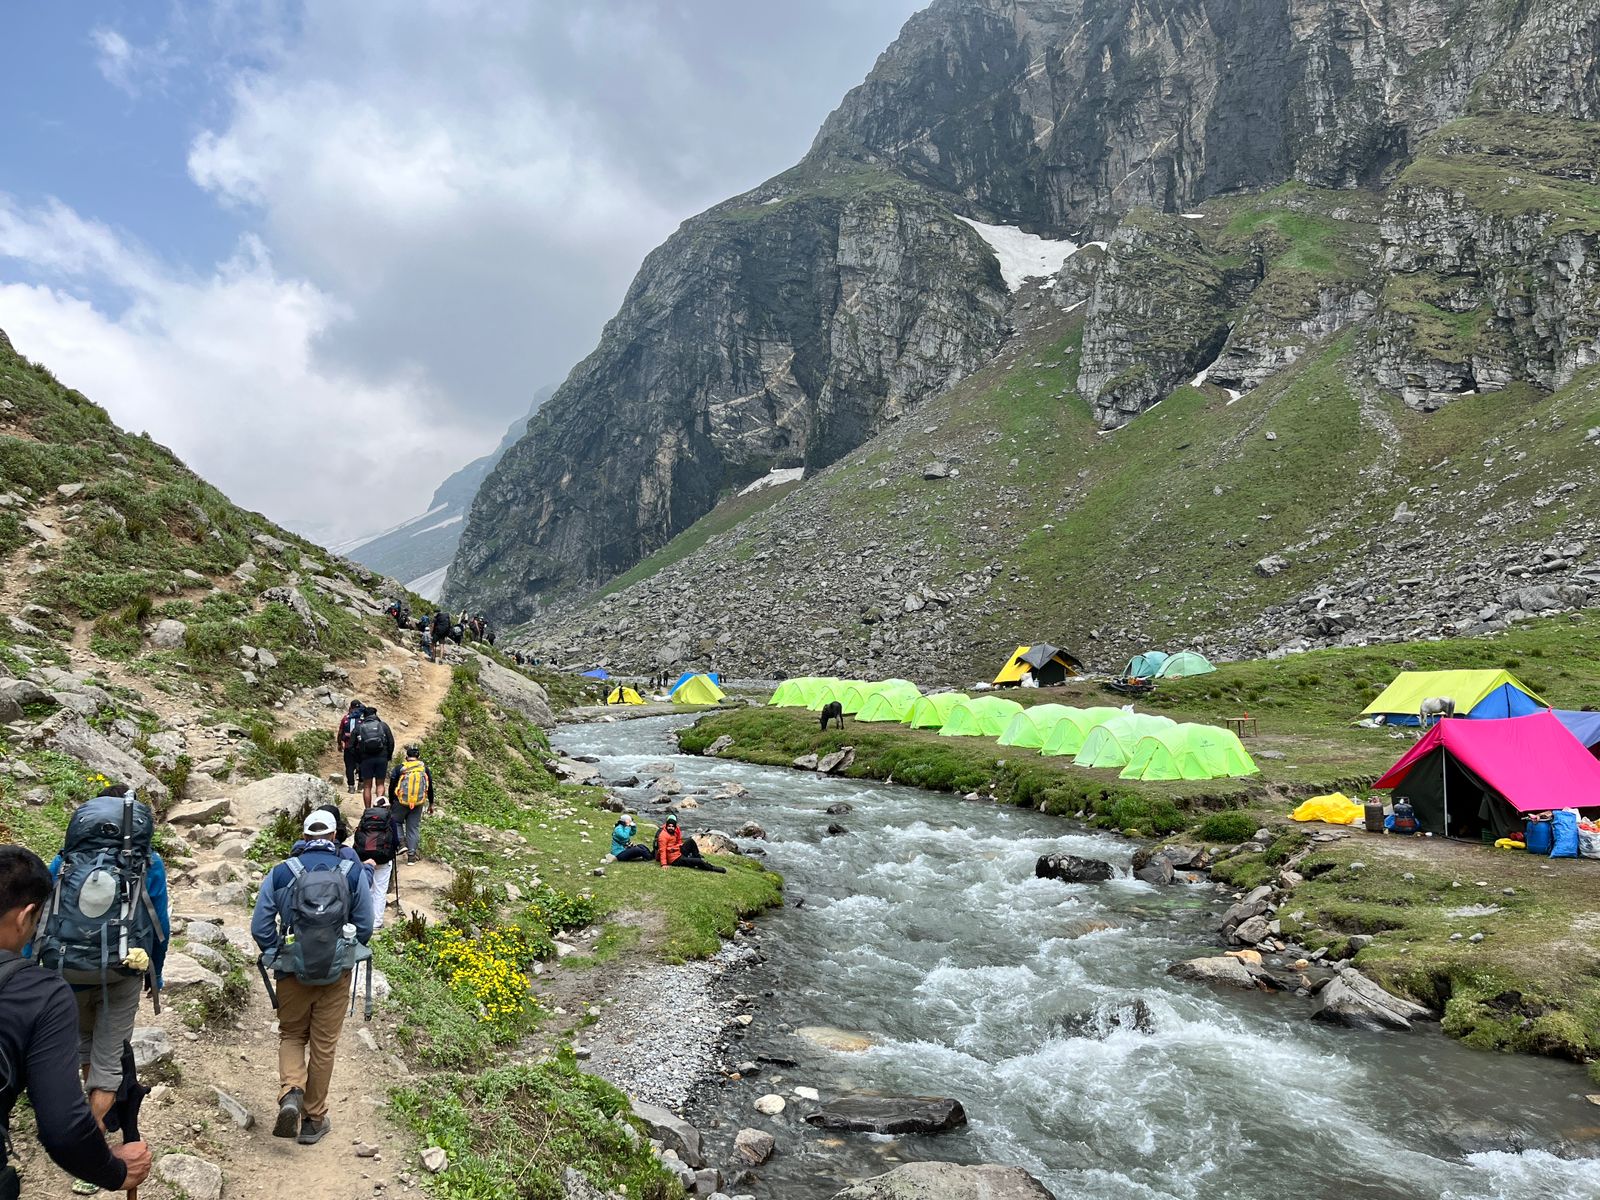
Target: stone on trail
151,1046
949,1181
196,1178
241,1116
754,1146
890,1114
168,635
206,933
68,733
435,1159
201,813
181,972
256,804
770,1105
1069,868
672,1131
1354,1000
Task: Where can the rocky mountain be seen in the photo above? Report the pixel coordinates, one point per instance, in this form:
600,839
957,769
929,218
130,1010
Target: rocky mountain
1393,204
418,551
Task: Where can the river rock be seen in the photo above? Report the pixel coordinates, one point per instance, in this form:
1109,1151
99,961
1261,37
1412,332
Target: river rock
770,1105
1251,932
890,1114
837,762
1156,871
949,1181
1221,969
1069,868
751,830
671,1131
1354,1000
713,842
843,1041
194,1177
840,809
1178,857
806,762
754,1146
718,746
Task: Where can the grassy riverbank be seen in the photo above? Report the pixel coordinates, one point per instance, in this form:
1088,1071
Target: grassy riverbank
1528,984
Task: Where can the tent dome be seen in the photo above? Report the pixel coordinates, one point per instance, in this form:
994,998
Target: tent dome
987,716
1111,744
1030,727
889,704
1068,735
1189,752
1182,665
930,712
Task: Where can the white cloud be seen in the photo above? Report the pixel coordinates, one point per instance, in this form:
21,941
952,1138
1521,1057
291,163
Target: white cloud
223,369
129,68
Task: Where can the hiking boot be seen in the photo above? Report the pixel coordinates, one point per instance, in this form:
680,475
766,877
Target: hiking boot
289,1112
313,1130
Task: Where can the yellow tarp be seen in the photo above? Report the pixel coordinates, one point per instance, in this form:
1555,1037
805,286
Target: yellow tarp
624,695
1014,668
1337,809
1467,688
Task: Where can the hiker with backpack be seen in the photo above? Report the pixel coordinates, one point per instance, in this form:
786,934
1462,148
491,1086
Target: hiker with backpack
374,746
106,929
312,921
378,839
409,785
347,725
39,1046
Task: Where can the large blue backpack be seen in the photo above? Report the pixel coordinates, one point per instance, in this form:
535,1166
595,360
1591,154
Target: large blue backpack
100,908
1564,834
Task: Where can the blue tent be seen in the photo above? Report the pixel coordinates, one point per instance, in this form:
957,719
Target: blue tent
712,675
597,673
1585,726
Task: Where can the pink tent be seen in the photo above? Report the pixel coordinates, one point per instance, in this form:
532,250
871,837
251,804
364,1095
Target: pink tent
1467,776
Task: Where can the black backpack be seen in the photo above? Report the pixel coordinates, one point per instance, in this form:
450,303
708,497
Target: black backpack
100,909
368,738
312,944
375,835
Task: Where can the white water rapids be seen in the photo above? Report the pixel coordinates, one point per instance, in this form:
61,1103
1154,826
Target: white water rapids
924,928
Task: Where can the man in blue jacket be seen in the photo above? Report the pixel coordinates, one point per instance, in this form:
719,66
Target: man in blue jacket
310,1016
39,1044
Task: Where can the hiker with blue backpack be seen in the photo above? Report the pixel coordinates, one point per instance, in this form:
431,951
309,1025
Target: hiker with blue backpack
313,920
106,928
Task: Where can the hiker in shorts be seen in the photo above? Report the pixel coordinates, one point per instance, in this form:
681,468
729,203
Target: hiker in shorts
39,1046
374,745
84,944
301,911
410,785
378,841
351,762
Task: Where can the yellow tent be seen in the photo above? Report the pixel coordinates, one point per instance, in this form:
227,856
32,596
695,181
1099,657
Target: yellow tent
697,689
1482,694
1049,665
624,695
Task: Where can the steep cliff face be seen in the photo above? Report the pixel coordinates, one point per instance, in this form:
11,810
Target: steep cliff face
1429,182
779,330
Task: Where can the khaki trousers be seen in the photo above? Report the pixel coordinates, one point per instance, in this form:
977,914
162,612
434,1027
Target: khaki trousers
309,1021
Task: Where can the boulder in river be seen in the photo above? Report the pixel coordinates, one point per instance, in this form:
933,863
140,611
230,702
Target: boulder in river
1178,857
841,1040
806,762
1251,932
949,1181
750,830
1069,868
837,762
1156,871
671,1131
890,1114
1221,969
1354,1000
840,809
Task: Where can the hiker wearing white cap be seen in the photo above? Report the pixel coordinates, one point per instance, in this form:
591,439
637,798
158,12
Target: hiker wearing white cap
305,911
623,847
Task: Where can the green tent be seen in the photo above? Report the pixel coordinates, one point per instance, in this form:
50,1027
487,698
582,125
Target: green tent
1184,664
930,711
795,693
987,716
889,704
1144,666
831,690
1188,752
855,696
1068,735
1111,744
1030,727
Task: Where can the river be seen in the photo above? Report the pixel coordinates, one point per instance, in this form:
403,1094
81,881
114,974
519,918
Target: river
923,928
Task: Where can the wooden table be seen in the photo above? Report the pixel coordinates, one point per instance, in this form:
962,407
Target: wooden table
1238,725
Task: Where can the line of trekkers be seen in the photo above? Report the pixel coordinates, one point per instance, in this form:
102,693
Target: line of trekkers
439,627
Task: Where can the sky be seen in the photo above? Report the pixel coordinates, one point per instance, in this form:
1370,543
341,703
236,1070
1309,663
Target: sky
327,250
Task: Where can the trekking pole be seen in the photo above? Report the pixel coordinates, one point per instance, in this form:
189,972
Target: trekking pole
272,993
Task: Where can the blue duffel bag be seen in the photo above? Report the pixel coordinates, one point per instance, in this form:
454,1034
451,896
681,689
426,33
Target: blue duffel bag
1564,835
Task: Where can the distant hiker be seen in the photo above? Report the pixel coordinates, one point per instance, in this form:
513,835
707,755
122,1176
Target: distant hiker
399,614
410,785
313,910
441,628
675,850
352,760
106,929
427,643
378,839
623,847
374,745
39,1046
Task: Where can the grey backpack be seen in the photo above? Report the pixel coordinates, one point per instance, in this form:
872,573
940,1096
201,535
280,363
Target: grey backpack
313,946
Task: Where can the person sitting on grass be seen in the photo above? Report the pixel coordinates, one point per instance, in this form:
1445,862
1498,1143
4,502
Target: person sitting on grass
623,847
675,850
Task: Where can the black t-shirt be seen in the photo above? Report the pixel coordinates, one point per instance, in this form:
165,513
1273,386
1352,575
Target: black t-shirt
39,1054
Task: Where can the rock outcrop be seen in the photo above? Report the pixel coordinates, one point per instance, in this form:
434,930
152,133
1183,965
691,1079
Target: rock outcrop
949,1181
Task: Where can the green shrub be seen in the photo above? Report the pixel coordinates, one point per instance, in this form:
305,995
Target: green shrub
1227,827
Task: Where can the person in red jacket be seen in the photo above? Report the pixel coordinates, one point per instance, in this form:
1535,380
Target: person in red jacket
675,850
